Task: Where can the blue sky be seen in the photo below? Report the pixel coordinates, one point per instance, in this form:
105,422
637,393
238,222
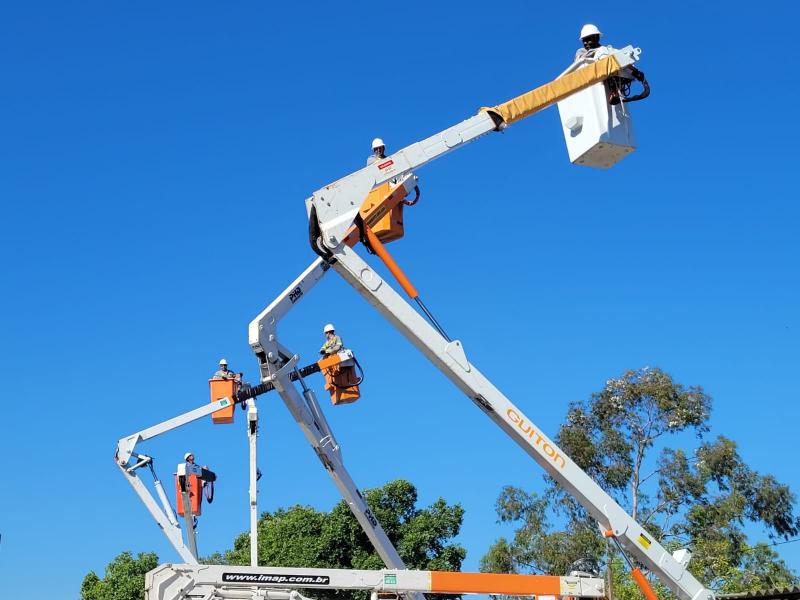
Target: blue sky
155,159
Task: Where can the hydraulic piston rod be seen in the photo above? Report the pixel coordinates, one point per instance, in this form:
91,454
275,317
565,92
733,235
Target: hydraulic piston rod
246,392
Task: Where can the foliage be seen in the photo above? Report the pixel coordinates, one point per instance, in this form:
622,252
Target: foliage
706,504
609,436
123,579
301,536
304,537
536,546
704,501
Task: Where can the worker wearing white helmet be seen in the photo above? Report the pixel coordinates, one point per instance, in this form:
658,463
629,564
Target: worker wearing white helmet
333,343
590,38
191,467
378,151
224,372
618,86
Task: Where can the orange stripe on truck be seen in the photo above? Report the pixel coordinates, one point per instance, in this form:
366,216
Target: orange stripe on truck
444,582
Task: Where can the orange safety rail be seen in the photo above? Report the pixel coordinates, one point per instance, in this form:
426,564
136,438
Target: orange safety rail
446,582
195,488
223,388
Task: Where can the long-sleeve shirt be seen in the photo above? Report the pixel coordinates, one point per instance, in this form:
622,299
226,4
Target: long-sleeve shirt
193,469
331,346
596,53
224,374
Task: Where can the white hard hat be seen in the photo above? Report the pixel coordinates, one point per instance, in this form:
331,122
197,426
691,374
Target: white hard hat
328,327
222,361
187,455
377,143
588,30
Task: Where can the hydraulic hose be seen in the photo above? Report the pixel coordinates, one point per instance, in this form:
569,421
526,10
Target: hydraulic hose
416,197
638,76
360,377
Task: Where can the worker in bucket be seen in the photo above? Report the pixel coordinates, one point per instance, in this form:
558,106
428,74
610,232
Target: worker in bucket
378,151
333,343
618,86
191,467
225,373
590,38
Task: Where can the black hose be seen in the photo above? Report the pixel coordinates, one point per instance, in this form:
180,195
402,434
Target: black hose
360,379
638,76
209,495
315,238
416,198
359,223
246,393
642,95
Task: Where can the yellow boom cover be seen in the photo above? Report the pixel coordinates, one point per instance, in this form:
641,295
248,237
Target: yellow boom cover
532,102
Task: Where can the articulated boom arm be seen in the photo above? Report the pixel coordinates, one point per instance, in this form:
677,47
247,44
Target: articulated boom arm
332,211
450,358
335,206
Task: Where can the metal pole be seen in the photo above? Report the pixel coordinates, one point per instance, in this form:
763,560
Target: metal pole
252,432
189,517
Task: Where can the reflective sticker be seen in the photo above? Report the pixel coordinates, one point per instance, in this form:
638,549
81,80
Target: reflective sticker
390,579
644,541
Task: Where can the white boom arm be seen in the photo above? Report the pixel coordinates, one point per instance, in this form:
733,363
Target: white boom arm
332,211
309,416
277,364
451,360
163,515
336,205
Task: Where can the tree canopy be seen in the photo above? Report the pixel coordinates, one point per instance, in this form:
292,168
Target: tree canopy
302,536
705,499
123,579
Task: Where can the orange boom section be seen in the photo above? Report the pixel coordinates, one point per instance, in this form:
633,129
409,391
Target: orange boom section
444,582
223,388
383,212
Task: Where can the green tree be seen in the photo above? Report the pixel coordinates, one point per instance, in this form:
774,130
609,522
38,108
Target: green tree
703,501
123,579
301,536
304,537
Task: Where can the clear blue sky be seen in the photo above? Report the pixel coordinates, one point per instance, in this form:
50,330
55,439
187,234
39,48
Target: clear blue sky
155,159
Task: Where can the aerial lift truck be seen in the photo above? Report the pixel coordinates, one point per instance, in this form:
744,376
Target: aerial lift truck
366,207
